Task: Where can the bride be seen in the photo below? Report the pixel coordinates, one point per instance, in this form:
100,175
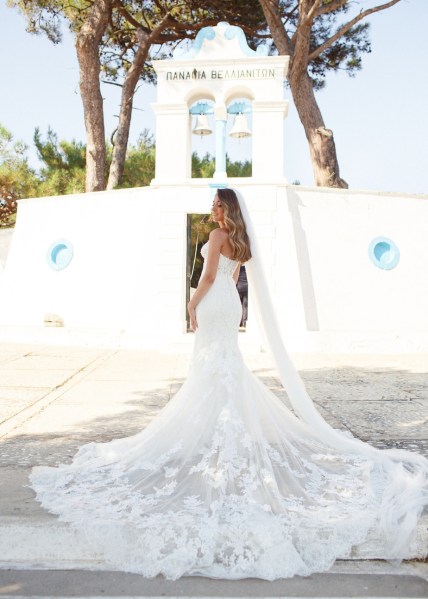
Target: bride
227,482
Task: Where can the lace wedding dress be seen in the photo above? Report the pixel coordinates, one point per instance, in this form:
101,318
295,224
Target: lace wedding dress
227,482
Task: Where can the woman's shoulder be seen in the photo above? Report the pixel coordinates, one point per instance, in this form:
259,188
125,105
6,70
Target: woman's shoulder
219,234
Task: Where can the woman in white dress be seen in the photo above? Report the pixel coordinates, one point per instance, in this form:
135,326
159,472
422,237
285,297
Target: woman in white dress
227,482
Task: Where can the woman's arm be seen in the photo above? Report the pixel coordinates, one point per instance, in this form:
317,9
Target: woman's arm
217,238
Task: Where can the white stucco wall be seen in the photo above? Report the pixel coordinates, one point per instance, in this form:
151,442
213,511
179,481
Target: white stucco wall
127,276
344,301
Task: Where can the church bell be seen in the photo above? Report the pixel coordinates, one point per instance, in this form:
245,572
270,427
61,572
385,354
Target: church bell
202,126
240,127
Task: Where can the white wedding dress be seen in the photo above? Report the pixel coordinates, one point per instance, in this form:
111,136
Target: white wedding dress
227,482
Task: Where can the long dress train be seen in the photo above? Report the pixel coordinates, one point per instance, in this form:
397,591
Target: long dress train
227,482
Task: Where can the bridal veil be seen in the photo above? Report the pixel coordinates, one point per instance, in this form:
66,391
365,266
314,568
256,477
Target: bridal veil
406,473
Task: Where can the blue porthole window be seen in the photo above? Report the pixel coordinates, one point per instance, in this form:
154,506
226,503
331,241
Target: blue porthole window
60,254
384,253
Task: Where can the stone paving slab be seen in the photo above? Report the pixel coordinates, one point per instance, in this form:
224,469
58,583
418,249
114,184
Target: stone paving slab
407,418
39,378
26,394
127,388
42,362
67,583
9,408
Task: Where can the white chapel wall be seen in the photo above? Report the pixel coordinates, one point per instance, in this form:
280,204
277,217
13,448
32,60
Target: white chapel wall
128,273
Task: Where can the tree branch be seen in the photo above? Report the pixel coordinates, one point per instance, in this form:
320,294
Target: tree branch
302,39
332,6
163,23
289,14
347,27
118,4
161,7
276,26
312,12
179,26
111,82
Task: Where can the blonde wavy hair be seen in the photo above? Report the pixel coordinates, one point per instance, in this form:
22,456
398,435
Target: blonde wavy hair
234,221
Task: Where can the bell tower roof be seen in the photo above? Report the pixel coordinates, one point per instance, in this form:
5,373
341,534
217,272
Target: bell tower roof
221,41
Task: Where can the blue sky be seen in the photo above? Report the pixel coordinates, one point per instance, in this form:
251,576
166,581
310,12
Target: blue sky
379,118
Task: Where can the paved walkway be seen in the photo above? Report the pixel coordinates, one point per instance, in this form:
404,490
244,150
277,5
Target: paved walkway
54,399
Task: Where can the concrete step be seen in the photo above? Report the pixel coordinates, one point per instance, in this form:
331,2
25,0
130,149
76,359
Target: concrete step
358,579
49,543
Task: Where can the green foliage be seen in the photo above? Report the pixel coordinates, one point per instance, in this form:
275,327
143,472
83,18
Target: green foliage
140,162
10,150
48,16
185,20
204,167
16,177
344,54
237,168
64,165
132,20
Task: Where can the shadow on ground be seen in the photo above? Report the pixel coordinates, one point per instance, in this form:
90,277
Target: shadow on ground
387,407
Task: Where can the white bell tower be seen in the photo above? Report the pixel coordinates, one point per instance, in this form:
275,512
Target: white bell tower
220,68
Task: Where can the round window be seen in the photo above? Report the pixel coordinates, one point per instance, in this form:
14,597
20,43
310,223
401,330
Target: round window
60,254
384,253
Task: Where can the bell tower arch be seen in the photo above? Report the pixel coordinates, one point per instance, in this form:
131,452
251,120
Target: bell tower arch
220,67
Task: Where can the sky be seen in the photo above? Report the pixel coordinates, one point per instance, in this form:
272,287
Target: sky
379,118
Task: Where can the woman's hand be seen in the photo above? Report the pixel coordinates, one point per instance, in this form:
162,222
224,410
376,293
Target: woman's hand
192,314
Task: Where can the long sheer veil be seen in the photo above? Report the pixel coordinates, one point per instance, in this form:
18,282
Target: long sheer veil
406,471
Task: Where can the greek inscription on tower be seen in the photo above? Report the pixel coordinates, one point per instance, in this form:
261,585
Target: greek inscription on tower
184,74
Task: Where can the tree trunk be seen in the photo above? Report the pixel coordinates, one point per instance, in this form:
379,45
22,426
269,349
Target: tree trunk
88,41
276,26
322,148
122,134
